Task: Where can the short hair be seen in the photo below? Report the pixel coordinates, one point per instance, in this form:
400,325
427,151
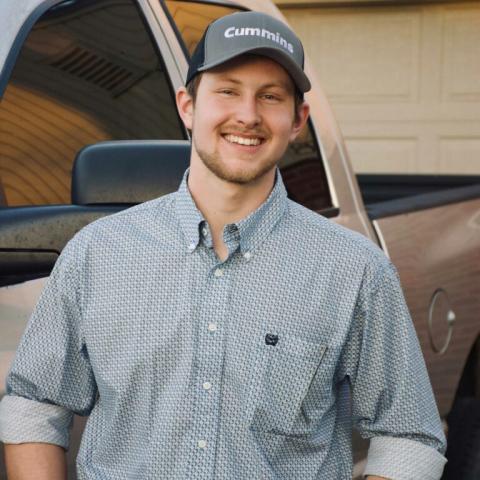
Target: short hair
192,88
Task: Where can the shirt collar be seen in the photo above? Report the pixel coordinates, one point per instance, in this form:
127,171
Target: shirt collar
253,229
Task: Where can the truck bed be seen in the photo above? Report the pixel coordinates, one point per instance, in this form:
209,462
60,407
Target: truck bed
386,195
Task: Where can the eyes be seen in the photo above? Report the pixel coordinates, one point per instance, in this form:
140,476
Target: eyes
269,97
226,92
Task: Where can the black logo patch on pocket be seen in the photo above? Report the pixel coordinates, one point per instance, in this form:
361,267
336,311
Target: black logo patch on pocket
271,339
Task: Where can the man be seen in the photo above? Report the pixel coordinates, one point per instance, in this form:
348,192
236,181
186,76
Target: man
217,332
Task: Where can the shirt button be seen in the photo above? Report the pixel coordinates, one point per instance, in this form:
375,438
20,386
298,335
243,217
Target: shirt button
205,232
212,327
247,255
191,247
202,443
207,385
218,272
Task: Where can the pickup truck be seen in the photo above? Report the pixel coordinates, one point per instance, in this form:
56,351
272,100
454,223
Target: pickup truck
88,126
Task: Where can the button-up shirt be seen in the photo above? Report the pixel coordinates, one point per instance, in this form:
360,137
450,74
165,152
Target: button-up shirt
255,367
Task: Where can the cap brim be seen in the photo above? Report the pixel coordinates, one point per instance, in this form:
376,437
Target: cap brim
296,73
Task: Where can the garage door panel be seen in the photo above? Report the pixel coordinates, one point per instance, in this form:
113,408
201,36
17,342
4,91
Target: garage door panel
461,59
403,81
459,153
357,38
400,152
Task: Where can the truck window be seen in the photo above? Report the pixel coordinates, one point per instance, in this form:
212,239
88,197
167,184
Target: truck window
302,166
191,19
87,72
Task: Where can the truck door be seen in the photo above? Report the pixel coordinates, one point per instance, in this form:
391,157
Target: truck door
76,73
433,239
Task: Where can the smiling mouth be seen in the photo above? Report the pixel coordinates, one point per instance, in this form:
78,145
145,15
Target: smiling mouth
248,141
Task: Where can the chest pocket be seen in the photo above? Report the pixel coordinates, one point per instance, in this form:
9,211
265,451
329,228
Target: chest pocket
284,375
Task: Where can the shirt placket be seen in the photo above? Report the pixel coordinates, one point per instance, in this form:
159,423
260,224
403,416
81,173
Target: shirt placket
208,374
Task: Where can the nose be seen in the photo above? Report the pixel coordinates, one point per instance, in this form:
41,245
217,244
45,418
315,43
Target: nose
247,112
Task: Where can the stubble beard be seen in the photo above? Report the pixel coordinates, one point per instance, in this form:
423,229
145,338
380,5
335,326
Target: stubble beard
219,168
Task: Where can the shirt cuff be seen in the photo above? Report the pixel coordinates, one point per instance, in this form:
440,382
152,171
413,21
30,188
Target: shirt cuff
403,459
26,421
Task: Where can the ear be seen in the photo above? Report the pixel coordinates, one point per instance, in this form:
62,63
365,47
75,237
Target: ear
185,107
300,120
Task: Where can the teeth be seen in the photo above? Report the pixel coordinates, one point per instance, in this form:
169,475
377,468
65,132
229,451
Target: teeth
243,140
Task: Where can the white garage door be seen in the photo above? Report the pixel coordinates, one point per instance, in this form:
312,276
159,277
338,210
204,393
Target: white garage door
404,82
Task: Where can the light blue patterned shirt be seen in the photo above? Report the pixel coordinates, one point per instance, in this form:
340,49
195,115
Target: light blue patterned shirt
192,368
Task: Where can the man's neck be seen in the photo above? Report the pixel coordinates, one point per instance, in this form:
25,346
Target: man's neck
222,202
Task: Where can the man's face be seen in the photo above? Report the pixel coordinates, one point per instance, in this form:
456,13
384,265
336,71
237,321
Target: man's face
243,118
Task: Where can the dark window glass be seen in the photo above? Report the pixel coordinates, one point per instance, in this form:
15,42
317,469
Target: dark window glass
303,172
88,72
302,166
191,19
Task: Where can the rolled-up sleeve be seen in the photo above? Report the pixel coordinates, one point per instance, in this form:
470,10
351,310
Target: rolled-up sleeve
51,377
392,399
23,420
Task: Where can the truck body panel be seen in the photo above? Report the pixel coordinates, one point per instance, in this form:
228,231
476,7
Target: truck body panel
437,250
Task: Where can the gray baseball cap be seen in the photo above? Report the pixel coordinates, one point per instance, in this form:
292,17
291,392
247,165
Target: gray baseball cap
250,32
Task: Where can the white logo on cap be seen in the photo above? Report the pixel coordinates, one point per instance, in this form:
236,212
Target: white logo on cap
258,32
